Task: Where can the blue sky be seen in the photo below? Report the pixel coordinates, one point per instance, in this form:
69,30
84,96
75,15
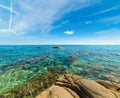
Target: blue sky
59,22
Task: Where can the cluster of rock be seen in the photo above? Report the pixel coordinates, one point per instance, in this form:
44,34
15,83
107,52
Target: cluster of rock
68,86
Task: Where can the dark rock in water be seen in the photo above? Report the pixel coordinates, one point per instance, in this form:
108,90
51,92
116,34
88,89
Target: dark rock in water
39,47
68,86
57,47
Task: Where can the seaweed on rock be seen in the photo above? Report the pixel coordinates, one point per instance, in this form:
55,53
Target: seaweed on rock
35,85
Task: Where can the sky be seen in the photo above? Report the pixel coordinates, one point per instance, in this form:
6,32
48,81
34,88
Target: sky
34,22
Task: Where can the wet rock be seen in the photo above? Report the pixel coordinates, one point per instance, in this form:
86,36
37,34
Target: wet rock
68,86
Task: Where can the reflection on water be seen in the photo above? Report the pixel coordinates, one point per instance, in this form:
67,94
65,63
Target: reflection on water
19,64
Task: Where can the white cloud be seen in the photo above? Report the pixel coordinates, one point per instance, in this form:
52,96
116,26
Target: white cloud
107,10
69,32
8,8
64,22
110,20
109,31
0,20
88,22
40,16
107,36
54,27
4,33
11,16
6,30
26,16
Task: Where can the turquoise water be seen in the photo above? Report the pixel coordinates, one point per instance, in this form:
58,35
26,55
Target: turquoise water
20,63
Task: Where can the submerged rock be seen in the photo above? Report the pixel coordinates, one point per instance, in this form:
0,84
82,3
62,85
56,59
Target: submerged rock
117,54
72,57
68,86
31,88
86,54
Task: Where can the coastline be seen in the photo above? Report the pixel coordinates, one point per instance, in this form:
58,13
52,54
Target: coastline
52,84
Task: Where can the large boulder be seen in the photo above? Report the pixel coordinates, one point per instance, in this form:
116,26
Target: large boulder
68,86
58,92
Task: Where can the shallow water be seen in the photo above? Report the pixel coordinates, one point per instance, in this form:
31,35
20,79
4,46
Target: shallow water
20,63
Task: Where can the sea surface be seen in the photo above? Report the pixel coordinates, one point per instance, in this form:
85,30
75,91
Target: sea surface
21,63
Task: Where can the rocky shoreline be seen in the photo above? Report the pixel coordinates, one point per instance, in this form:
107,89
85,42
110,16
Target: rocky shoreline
68,86
57,83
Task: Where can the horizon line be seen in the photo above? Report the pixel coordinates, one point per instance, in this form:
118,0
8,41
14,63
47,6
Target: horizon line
52,44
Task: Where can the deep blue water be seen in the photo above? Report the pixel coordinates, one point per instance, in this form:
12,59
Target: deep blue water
90,61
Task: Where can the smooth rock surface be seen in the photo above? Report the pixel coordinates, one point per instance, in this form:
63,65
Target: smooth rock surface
58,92
68,86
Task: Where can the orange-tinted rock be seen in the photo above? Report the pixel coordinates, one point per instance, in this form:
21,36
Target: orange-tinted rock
68,86
58,92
